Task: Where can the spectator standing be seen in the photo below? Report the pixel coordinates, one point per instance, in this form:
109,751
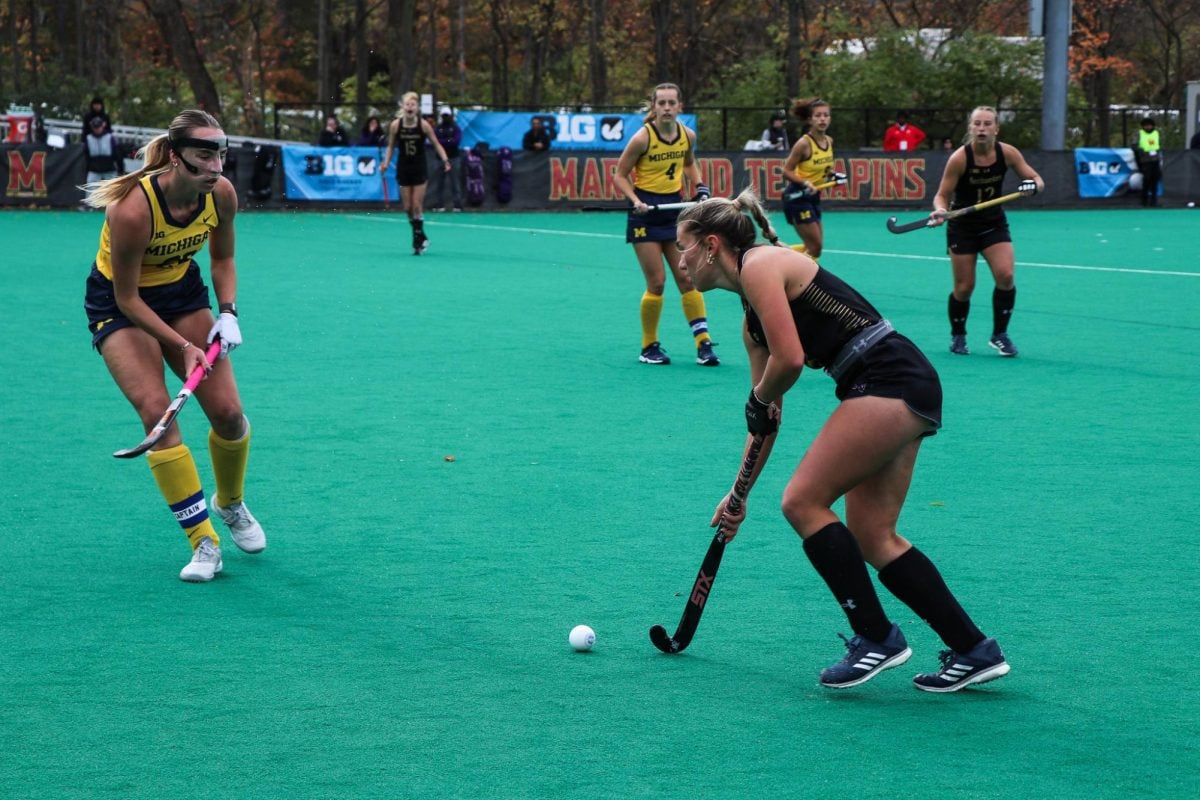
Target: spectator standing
775,135
537,138
334,135
103,153
95,109
1149,160
449,135
372,134
902,135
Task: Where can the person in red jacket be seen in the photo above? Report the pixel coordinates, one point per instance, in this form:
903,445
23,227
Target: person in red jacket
902,135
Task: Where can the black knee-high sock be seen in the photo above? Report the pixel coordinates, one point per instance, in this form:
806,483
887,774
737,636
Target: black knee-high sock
959,309
418,225
835,555
917,583
1002,308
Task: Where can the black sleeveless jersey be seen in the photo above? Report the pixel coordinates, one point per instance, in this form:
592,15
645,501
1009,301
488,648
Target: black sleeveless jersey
410,145
978,184
828,313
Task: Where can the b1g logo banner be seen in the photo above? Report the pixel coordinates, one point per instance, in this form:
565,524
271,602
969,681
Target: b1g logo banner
333,173
568,131
1104,171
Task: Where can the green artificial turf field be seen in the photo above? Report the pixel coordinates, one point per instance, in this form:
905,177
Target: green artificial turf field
404,635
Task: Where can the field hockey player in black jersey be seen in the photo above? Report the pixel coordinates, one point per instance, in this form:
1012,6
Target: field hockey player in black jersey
798,314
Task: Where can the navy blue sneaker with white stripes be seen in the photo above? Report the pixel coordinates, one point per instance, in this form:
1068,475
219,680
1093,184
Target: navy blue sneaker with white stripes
654,354
866,659
1003,345
983,663
705,356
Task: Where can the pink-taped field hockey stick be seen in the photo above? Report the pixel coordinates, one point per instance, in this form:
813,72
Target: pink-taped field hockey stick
189,386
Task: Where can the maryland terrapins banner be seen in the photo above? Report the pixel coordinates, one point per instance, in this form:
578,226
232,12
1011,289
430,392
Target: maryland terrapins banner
36,175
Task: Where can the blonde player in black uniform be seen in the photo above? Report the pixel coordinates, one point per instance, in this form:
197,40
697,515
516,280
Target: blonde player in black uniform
407,135
662,152
975,173
809,163
799,314
147,303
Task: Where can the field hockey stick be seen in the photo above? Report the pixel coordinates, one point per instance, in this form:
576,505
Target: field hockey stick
189,386
712,562
660,207
960,212
839,179
383,179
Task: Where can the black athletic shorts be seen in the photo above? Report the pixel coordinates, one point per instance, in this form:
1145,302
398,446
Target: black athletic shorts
169,301
895,367
412,171
657,226
966,238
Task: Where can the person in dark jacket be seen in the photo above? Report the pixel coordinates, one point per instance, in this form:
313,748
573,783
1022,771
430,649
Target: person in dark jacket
450,136
102,151
334,134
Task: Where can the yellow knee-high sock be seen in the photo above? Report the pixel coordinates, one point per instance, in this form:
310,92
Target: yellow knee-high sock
174,471
229,465
651,313
693,310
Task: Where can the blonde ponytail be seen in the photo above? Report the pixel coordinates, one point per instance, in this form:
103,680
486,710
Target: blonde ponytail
156,157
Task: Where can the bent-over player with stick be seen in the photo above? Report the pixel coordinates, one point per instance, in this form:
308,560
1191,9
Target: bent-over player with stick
798,314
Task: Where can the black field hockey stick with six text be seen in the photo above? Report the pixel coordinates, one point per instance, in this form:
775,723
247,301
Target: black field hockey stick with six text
702,588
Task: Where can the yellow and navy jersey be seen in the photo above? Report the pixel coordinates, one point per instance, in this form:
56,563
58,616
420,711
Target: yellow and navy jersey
173,243
818,167
660,168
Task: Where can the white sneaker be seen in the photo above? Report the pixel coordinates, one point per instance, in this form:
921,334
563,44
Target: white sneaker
205,563
247,533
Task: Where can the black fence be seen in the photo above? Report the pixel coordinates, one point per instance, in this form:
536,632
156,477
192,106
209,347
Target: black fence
730,128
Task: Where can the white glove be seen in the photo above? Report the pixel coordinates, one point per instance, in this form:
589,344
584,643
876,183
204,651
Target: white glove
227,328
1027,187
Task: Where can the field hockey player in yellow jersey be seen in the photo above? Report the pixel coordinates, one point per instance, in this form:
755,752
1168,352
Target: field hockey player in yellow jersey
651,172
809,164
147,304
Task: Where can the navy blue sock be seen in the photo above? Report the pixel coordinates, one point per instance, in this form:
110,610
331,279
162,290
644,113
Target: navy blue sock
958,310
915,580
1002,308
835,555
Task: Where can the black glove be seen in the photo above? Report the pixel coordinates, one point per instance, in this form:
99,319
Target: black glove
762,419
702,193
1027,187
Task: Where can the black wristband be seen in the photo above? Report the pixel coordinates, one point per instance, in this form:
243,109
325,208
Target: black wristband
227,308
